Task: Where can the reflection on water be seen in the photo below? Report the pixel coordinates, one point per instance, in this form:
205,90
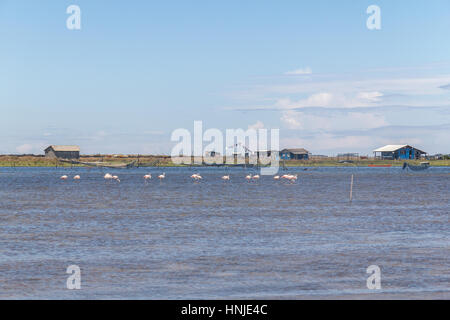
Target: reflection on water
216,239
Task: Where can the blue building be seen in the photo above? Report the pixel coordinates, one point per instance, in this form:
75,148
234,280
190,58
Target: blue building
294,154
398,152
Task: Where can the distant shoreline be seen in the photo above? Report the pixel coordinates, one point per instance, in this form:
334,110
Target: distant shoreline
165,161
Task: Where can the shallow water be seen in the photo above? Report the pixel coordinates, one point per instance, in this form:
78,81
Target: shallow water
214,239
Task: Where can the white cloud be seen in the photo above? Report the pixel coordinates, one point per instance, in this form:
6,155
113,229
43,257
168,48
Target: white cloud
291,119
322,99
347,92
413,86
332,100
373,96
24,148
35,148
366,120
257,125
304,71
331,122
99,135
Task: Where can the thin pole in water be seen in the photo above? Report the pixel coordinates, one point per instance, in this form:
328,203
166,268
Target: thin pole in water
351,189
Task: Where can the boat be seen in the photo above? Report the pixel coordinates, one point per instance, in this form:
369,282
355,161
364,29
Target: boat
421,167
101,164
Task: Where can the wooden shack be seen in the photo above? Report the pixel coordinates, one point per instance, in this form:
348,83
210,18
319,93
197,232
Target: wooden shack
63,152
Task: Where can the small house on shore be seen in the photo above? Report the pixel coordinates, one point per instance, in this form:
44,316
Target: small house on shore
266,153
63,152
212,154
396,152
294,154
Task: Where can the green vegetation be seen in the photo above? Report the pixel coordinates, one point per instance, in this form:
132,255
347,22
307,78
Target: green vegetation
29,161
165,161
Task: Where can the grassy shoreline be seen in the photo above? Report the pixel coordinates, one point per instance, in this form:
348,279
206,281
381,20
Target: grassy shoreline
165,161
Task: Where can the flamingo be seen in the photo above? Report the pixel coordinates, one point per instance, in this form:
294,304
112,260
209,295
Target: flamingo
255,177
226,178
63,177
276,178
147,176
162,176
77,177
292,178
111,177
196,177
108,176
248,177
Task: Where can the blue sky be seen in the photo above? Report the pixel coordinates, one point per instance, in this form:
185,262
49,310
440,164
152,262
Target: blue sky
137,70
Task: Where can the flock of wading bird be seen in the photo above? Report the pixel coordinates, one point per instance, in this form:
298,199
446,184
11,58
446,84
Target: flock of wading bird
196,177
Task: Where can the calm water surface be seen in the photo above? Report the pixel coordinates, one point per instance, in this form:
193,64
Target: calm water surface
215,239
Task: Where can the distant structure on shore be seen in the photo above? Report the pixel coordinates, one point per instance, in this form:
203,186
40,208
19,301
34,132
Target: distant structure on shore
63,152
348,156
395,152
388,152
294,154
212,154
266,153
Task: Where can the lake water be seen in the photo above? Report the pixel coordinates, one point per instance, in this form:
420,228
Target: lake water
178,239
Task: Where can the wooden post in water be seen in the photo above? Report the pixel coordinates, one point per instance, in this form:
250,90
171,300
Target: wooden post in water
351,189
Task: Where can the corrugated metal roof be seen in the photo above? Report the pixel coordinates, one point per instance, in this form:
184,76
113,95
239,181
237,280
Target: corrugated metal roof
391,148
395,147
297,151
65,148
